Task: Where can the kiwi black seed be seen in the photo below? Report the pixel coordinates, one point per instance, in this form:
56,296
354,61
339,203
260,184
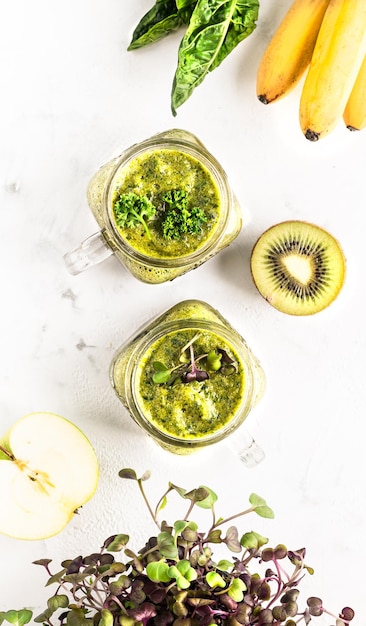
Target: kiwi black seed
299,268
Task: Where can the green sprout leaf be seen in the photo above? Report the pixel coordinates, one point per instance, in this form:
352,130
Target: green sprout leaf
18,618
56,578
179,526
118,543
205,501
183,573
44,562
198,496
215,536
128,473
57,602
182,492
253,540
164,375
224,565
158,571
260,506
213,360
159,367
184,567
167,545
162,504
77,617
112,569
43,617
117,586
106,618
125,620
214,579
236,589
161,374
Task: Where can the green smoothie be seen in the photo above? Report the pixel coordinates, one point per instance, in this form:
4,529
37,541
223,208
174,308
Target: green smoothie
187,378
200,406
164,207
184,202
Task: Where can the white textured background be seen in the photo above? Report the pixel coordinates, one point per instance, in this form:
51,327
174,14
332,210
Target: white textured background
71,98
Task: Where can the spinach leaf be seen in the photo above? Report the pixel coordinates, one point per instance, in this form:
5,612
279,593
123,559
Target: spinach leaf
182,4
158,22
185,9
242,24
215,28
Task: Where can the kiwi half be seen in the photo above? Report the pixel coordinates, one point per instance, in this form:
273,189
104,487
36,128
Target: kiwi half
299,268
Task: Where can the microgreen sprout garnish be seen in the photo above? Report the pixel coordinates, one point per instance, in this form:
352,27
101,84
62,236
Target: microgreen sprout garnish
194,373
228,365
214,360
178,218
130,210
173,580
187,371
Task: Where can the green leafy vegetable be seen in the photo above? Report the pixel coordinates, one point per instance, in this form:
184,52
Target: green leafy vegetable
179,218
242,23
260,506
214,30
163,18
130,210
159,21
185,8
18,618
174,580
187,371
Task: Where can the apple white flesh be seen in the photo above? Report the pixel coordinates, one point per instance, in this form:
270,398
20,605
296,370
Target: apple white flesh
52,470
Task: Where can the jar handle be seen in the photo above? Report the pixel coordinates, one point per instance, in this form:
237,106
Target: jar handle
242,444
91,251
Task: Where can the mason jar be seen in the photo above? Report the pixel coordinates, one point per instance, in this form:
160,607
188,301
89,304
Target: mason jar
153,251
154,374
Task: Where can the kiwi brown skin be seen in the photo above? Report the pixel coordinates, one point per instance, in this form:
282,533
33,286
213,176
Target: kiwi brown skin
305,247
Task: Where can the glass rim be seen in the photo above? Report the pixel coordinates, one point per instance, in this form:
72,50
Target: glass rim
153,335
197,151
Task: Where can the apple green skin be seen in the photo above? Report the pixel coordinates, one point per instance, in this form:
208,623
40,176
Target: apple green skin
43,485
5,444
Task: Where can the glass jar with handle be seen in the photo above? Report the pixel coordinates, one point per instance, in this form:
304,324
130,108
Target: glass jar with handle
189,380
163,207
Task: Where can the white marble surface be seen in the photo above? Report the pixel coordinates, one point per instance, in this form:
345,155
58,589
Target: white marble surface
72,97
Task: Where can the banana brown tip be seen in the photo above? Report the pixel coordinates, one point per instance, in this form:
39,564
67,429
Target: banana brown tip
263,99
311,135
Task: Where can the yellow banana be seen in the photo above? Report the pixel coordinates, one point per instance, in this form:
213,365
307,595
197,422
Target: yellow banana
354,115
289,51
337,58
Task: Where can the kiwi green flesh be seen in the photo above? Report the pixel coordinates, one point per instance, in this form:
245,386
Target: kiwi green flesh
298,267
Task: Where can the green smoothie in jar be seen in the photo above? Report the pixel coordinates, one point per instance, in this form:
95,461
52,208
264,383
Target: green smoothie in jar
163,207
187,378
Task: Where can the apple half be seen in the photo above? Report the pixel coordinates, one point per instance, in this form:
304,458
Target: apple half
48,469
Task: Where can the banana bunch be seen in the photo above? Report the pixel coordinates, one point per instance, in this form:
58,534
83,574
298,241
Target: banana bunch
326,39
